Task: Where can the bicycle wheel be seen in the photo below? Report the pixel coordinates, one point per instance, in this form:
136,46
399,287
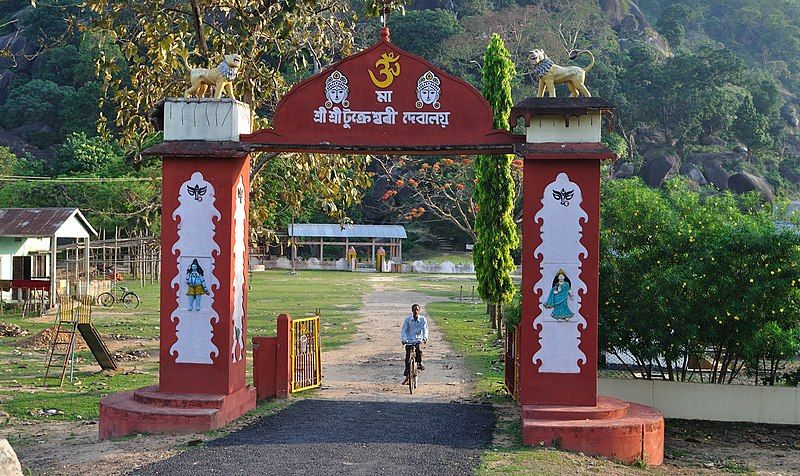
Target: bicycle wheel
106,299
130,300
412,373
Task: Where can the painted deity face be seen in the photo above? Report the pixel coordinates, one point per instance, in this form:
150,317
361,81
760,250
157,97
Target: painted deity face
428,90
336,90
337,95
193,267
560,278
429,95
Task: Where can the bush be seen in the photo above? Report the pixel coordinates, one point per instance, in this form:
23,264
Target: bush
684,276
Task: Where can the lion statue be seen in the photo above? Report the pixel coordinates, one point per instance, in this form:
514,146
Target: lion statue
548,74
221,77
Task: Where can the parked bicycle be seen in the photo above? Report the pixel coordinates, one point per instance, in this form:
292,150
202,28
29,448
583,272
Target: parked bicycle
128,298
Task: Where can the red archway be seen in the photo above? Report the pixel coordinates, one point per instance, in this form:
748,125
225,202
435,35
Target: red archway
386,101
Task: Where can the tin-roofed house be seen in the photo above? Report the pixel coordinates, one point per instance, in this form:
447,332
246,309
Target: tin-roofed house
28,249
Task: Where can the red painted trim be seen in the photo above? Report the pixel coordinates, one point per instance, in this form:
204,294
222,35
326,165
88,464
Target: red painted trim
283,382
265,365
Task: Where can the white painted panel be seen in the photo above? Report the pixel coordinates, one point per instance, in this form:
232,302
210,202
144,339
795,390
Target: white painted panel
553,129
239,249
195,286
559,321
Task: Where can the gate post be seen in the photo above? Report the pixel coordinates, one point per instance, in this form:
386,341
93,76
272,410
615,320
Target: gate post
204,259
560,279
283,379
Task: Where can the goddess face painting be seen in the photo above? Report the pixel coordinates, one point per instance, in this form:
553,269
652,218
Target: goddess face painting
336,90
428,90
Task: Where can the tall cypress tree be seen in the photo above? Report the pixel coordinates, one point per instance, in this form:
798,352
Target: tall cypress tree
494,192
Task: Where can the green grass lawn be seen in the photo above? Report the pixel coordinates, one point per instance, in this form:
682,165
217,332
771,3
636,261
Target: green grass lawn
337,295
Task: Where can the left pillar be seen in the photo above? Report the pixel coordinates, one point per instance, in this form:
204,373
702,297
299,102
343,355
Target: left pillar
204,230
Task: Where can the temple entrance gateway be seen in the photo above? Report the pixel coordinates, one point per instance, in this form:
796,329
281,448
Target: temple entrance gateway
383,100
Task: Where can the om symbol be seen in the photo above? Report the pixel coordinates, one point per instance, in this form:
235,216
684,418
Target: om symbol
388,67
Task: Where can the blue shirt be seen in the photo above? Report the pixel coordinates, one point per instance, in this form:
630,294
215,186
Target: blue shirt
414,330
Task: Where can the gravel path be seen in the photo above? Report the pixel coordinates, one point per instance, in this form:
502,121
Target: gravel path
362,422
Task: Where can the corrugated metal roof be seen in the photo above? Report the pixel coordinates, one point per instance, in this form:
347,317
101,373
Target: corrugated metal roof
348,231
38,221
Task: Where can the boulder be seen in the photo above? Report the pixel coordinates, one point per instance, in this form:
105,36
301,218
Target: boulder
6,78
659,167
741,149
712,141
716,174
744,182
693,173
19,52
9,464
712,165
614,11
646,136
624,170
788,172
789,114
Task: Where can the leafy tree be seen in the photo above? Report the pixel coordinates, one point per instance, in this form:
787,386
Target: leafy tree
494,192
35,101
422,31
8,161
278,41
672,23
81,154
750,127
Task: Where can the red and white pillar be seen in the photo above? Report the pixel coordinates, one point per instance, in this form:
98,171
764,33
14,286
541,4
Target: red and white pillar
560,281
204,260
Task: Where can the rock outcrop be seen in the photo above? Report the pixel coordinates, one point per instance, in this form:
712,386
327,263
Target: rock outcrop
744,182
9,464
660,166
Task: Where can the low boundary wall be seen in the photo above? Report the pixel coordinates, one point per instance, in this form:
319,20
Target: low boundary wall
705,401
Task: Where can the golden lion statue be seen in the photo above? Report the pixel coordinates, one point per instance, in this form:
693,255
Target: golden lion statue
221,77
549,74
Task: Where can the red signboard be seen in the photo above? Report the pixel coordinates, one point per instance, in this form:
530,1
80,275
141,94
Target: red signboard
383,100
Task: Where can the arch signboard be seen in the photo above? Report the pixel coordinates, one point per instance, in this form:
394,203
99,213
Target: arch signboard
383,100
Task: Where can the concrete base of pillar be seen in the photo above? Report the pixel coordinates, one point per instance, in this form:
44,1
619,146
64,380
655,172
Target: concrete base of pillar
616,429
147,410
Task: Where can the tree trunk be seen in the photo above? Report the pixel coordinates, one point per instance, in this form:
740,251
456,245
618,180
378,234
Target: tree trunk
499,321
493,315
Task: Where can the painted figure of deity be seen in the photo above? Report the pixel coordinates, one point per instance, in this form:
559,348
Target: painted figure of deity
336,90
559,293
428,90
195,279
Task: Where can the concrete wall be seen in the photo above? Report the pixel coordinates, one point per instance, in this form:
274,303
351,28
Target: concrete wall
702,401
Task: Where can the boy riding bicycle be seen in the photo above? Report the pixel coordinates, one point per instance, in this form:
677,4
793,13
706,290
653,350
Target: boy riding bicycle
413,333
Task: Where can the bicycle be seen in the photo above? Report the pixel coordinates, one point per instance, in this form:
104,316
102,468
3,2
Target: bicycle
128,298
412,368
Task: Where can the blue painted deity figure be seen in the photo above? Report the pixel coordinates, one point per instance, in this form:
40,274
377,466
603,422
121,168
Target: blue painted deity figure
559,293
196,280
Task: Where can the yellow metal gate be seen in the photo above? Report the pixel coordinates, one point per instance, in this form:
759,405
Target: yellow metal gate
306,354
